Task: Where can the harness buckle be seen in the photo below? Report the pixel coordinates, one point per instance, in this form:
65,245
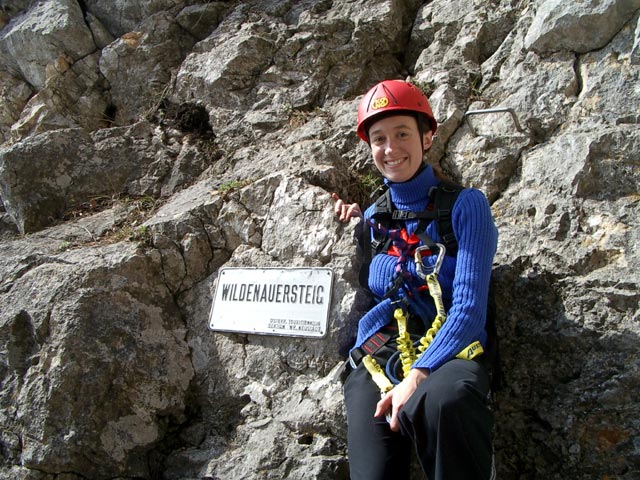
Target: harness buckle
402,215
420,266
352,362
355,357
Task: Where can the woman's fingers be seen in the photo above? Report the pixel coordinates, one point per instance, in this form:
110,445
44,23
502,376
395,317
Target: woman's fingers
345,211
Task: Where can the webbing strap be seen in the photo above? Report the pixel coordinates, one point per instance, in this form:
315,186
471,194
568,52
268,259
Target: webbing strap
372,345
443,197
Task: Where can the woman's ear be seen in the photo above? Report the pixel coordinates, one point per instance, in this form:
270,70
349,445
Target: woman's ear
427,140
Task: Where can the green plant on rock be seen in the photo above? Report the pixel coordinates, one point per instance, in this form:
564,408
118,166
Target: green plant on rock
370,181
142,234
363,186
231,186
426,87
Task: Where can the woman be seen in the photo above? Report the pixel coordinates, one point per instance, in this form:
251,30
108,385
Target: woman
439,406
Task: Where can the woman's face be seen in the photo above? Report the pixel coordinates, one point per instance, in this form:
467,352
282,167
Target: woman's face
396,148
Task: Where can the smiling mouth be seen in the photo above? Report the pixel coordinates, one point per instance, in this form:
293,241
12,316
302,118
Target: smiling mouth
393,163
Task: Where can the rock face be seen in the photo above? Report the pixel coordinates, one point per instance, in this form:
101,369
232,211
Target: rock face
147,144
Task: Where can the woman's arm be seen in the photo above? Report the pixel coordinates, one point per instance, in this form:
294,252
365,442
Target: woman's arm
477,239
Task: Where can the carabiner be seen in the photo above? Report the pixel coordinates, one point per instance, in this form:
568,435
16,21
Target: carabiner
417,256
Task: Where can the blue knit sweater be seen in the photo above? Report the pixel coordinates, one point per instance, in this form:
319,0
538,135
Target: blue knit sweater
464,279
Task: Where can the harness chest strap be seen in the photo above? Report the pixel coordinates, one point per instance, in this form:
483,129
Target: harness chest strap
443,197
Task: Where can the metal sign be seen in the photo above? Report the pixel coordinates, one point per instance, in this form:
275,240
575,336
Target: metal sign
277,301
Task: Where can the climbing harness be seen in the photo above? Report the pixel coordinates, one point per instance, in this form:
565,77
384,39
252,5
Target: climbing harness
376,238
407,352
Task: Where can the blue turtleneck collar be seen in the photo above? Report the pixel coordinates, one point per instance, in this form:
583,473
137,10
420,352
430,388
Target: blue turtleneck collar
414,191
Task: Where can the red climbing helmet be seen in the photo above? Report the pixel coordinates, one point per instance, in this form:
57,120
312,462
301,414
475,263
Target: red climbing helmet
389,96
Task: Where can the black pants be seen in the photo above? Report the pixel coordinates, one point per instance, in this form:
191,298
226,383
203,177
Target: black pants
447,422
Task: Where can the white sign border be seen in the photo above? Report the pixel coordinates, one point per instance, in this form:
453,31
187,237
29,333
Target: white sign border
324,322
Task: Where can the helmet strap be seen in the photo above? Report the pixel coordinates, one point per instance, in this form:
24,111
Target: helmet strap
421,129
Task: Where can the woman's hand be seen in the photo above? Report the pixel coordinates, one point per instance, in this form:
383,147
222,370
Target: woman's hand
396,398
346,211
